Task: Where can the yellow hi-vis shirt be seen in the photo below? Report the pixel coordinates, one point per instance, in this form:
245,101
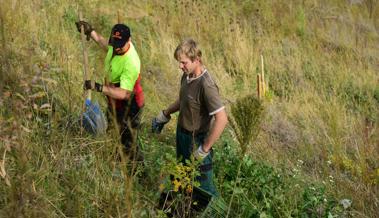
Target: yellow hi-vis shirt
123,69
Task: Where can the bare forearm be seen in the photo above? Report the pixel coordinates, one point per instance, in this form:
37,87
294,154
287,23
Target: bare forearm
218,127
116,92
100,40
174,107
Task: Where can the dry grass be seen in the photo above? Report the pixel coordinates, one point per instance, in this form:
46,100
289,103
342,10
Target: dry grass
321,61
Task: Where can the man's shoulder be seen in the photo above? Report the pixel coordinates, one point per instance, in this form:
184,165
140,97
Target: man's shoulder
207,79
131,59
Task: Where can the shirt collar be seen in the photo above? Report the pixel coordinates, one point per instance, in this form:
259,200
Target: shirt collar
189,80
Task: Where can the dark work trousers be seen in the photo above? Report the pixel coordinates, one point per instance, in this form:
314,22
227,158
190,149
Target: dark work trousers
129,121
184,148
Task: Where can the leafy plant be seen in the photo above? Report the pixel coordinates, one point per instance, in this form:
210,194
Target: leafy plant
315,203
177,189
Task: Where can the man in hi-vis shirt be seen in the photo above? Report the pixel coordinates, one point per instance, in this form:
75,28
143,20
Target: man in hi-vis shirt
123,87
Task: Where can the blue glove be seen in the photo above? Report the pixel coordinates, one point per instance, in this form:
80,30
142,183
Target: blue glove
158,122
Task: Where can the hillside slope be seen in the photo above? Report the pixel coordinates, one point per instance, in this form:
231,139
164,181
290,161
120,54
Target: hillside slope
318,146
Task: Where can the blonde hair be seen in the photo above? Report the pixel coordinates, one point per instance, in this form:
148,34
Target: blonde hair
189,48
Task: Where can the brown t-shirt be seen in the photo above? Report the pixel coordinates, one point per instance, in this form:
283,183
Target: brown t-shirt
199,100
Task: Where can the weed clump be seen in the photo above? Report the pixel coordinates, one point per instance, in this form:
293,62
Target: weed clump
247,116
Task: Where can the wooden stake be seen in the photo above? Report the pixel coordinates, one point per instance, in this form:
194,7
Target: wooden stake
87,93
118,16
259,86
85,55
263,77
262,87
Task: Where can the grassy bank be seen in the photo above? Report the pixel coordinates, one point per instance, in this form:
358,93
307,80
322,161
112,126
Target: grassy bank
319,139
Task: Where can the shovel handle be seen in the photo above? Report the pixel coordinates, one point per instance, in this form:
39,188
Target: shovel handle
85,56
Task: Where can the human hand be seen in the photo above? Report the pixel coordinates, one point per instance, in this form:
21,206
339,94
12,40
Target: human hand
89,84
86,26
158,122
200,154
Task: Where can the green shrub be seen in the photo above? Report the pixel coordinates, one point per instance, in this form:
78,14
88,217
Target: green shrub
316,203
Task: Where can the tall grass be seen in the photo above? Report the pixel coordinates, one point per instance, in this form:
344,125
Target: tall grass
321,61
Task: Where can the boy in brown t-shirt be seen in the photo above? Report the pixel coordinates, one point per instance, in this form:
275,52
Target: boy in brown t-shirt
198,103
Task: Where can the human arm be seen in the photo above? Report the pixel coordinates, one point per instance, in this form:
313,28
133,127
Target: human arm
128,81
100,40
116,92
218,127
113,92
172,108
214,104
164,117
91,33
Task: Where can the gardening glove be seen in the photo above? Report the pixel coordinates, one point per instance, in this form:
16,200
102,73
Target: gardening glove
200,154
158,122
87,28
89,84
